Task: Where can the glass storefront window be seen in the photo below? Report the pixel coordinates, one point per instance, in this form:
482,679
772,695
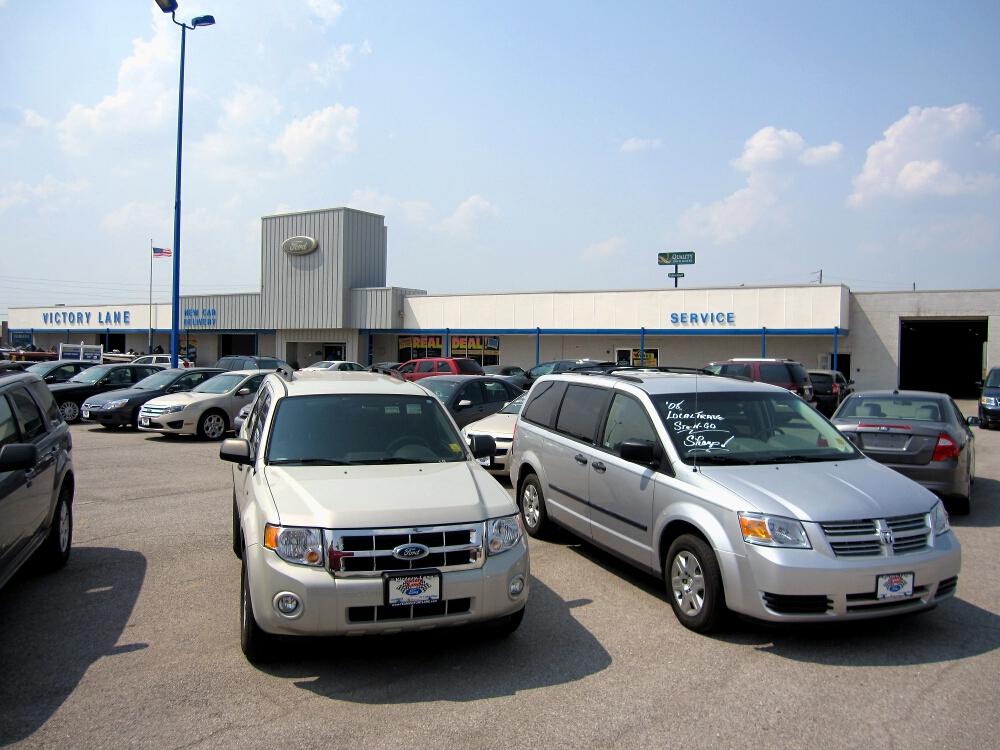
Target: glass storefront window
631,357
415,347
484,349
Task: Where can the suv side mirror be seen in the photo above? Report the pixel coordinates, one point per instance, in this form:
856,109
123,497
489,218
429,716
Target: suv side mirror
640,452
236,450
482,446
18,456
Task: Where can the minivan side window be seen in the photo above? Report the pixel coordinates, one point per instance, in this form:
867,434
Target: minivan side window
581,410
627,420
544,403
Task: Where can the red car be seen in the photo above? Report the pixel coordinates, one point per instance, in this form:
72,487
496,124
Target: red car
415,369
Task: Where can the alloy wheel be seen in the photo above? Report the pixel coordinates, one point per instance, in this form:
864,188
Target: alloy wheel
687,582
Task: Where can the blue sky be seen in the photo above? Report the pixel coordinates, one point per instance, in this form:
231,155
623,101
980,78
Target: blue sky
510,145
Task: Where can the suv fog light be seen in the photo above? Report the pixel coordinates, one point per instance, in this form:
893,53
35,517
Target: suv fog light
516,585
287,604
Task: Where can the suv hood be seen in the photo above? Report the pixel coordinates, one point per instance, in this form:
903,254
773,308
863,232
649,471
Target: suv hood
365,497
825,491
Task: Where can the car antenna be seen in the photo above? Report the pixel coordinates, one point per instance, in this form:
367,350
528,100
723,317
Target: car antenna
696,379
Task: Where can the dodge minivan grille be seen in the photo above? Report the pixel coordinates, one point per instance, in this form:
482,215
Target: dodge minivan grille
878,537
369,551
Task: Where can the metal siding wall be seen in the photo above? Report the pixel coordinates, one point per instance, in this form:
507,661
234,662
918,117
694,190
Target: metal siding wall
234,311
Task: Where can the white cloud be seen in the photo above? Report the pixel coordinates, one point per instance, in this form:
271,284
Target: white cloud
413,211
817,155
135,215
768,145
49,189
766,157
142,99
609,248
928,151
237,149
328,11
339,60
331,129
34,120
641,144
248,105
467,216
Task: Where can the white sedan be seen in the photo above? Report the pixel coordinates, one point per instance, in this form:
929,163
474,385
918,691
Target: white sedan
207,411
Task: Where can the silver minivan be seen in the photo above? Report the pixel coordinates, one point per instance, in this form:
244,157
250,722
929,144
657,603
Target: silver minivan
739,494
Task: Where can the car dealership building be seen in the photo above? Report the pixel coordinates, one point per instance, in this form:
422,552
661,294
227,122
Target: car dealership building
323,296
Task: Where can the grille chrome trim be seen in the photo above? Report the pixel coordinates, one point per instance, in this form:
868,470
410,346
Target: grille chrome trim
368,552
879,537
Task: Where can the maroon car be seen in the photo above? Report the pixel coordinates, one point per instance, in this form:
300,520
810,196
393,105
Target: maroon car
784,372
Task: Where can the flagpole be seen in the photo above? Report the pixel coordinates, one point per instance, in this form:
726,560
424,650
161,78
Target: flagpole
149,348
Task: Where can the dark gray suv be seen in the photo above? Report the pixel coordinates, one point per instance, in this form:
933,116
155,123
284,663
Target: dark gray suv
36,477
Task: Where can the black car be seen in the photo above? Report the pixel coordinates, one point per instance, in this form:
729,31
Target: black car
471,397
97,379
36,477
247,362
512,373
830,387
59,370
567,365
121,408
989,400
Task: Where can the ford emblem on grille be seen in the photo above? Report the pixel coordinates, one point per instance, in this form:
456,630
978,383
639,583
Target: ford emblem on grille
410,552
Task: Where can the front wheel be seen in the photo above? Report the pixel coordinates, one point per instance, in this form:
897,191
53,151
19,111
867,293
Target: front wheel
212,426
532,504
694,584
257,645
70,411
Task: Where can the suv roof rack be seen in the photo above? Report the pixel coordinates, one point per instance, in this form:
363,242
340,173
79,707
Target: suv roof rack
633,373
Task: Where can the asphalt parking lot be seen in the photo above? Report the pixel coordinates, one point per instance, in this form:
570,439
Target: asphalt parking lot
136,643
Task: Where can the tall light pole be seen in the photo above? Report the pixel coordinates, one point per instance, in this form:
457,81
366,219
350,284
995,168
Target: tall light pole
170,6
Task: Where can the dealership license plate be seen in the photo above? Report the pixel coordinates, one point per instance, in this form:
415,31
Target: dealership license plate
894,585
86,413
485,460
144,421
893,442
422,588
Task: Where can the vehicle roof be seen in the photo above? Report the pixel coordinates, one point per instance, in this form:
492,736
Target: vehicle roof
322,382
16,376
823,372
463,377
900,394
60,362
756,359
185,370
655,383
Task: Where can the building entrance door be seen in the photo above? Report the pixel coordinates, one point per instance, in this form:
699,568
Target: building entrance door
334,352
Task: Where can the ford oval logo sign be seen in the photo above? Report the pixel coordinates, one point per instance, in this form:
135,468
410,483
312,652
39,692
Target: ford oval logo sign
299,245
410,552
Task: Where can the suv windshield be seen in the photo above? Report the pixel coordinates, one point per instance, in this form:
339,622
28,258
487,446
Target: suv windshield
91,375
219,384
993,381
334,429
749,428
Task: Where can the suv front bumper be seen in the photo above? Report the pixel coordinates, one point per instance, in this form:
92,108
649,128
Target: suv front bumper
350,605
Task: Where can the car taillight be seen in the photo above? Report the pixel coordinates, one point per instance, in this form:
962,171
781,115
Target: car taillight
945,449
836,389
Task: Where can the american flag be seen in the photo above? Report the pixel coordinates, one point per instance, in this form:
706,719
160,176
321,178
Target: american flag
161,252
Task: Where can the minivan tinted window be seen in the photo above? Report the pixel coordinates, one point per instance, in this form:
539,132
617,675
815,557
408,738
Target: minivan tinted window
580,411
544,403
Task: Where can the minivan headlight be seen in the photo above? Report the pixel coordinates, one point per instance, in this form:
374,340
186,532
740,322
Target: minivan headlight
502,534
294,544
773,531
939,519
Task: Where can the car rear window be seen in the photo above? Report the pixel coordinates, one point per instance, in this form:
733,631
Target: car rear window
580,411
469,367
544,403
893,407
821,378
783,372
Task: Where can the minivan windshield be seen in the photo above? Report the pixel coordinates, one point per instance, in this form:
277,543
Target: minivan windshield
362,428
749,428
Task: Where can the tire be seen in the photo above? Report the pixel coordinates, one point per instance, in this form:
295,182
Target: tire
70,411
532,504
134,420
257,646
694,584
54,552
506,625
213,425
237,531
958,506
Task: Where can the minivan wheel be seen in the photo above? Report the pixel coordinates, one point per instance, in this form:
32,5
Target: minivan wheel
70,411
694,584
54,552
257,645
212,426
532,504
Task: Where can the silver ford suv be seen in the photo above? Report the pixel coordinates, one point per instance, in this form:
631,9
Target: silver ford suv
739,494
358,508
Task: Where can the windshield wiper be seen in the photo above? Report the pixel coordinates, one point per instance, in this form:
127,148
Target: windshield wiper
796,458
717,459
309,462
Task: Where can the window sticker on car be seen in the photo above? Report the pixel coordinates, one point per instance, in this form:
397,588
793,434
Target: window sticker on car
455,447
392,410
701,431
413,409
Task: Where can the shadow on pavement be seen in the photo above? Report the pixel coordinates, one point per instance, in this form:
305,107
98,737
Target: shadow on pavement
984,507
466,664
53,627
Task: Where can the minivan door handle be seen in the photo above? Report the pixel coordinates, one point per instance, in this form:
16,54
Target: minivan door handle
580,459
599,467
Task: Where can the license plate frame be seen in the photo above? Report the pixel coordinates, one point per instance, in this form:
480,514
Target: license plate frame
894,585
85,413
144,421
425,588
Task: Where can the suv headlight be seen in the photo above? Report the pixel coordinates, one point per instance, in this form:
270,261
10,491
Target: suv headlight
116,404
939,519
773,531
502,534
295,544
988,401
